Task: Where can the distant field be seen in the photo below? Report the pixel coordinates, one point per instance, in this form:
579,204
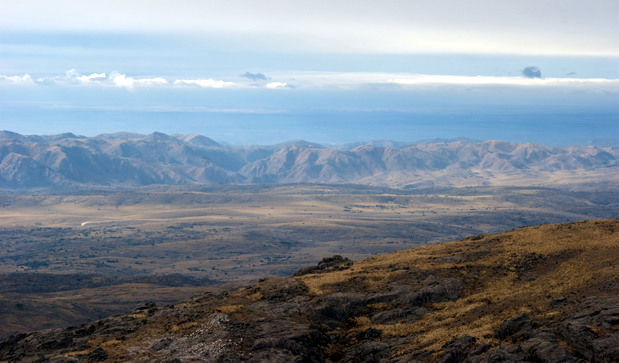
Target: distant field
243,233
236,234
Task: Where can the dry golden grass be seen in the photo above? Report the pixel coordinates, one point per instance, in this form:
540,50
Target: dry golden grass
183,326
579,257
138,316
380,306
318,284
229,309
255,296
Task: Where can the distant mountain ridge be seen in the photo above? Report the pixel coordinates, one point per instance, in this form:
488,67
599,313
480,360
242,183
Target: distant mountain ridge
120,135
398,144
38,138
132,160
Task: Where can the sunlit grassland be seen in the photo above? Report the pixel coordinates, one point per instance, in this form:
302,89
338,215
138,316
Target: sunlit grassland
577,259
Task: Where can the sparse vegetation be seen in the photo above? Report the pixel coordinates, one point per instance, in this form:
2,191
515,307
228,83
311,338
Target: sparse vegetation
536,293
152,232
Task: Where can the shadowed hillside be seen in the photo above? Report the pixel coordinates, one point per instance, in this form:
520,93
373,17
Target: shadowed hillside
545,293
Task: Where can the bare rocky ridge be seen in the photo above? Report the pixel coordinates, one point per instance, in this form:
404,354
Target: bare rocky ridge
536,294
126,160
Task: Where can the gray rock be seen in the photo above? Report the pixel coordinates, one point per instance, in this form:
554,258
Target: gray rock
438,291
479,349
549,351
558,302
327,264
394,316
516,329
97,355
341,306
161,344
370,333
509,353
367,352
578,335
606,349
456,350
609,318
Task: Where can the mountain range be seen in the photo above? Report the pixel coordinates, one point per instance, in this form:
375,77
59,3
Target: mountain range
125,160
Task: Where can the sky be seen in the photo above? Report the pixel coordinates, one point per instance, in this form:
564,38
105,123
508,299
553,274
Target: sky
247,72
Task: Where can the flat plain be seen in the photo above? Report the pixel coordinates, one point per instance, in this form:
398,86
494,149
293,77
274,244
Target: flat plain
71,258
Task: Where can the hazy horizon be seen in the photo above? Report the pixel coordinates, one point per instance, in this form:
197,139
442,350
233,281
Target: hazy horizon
598,141
329,72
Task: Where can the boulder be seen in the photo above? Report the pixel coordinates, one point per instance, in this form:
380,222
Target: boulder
327,264
516,329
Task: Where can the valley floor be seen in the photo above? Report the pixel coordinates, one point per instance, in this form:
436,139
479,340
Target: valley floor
72,258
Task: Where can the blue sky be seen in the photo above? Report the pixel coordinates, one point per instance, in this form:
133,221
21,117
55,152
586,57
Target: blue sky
327,71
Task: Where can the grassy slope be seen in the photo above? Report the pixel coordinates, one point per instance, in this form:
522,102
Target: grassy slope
580,259
501,276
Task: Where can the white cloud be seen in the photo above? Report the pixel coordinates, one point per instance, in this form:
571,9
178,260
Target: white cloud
72,76
121,80
413,80
158,81
91,77
118,79
206,83
115,79
25,79
335,80
71,73
328,80
273,85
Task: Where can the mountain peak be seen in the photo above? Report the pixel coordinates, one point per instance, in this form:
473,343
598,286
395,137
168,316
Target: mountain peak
159,136
38,138
10,135
120,135
299,142
197,139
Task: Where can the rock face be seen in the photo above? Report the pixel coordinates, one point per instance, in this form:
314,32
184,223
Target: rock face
130,160
402,307
328,264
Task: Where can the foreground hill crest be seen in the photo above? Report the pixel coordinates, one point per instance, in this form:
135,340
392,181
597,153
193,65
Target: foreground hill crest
545,293
124,160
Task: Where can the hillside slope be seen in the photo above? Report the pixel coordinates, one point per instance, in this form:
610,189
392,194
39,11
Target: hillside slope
545,293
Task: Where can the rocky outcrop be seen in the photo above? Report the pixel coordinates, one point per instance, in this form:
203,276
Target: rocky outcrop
586,336
328,264
260,335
